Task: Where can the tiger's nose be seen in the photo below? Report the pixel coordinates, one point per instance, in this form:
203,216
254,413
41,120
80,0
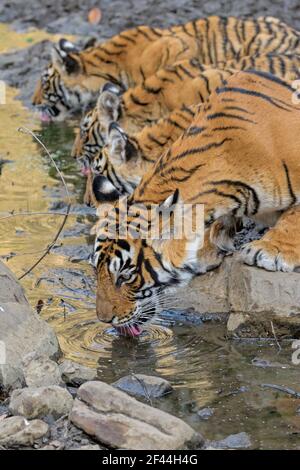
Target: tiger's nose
105,311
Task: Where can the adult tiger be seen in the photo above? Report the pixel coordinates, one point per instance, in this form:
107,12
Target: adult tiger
74,77
239,157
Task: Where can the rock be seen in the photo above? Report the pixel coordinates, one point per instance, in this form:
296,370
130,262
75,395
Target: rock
117,420
264,363
207,293
146,386
236,320
21,332
17,431
234,441
75,374
263,301
41,372
89,447
40,402
205,413
54,445
263,292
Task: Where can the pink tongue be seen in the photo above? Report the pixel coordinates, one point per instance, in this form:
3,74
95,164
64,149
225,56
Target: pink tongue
132,330
45,117
85,171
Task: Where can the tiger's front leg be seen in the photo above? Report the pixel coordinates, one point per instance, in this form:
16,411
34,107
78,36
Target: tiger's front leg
279,248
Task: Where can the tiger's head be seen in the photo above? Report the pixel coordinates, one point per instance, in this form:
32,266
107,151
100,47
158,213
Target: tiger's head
116,161
72,80
136,274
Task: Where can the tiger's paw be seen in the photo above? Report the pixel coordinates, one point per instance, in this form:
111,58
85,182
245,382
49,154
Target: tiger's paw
271,256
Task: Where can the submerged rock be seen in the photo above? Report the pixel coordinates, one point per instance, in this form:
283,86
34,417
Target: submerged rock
40,402
75,374
21,332
205,413
146,386
234,441
119,421
17,431
41,372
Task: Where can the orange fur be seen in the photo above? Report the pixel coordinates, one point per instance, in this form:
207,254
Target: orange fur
240,156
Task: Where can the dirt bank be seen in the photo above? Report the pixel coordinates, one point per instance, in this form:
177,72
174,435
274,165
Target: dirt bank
69,16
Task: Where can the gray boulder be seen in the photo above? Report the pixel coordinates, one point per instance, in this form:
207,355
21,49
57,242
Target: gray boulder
17,431
21,332
75,374
41,372
41,402
117,420
234,441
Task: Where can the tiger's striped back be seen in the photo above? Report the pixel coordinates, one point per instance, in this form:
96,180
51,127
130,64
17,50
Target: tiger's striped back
132,56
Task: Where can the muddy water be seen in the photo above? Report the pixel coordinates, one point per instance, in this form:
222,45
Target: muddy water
205,369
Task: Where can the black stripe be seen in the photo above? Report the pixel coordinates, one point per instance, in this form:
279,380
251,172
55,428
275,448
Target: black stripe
231,116
123,36
271,78
123,244
180,179
193,151
194,130
151,90
238,183
219,193
289,183
156,32
153,139
144,34
238,108
135,100
257,94
151,271
228,128
175,124
186,71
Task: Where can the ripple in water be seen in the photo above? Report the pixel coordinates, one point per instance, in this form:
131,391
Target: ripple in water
167,347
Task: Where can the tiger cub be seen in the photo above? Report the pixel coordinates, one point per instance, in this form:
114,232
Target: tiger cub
239,157
73,78
125,159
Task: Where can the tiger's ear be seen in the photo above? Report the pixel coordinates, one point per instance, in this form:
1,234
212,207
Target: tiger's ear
65,57
91,42
120,148
171,205
171,200
104,190
108,104
117,140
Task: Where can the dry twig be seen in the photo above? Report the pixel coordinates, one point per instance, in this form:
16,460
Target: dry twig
48,249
